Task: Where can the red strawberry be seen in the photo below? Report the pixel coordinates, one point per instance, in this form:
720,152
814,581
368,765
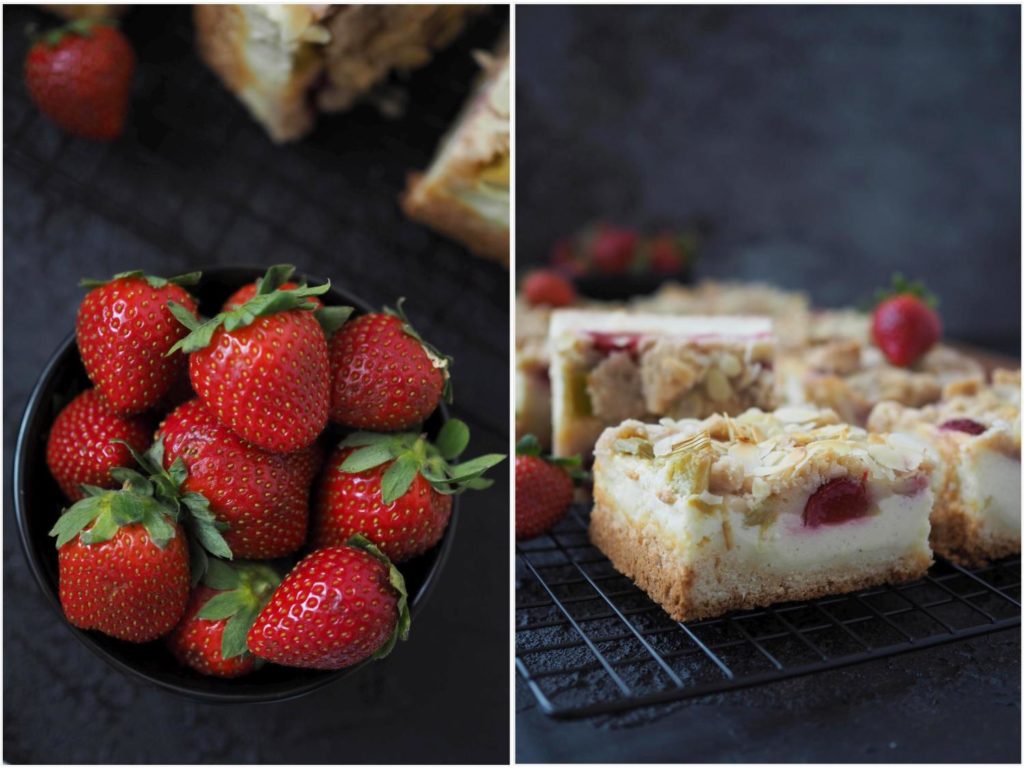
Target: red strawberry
262,497
211,638
666,253
384,377
904,325
80,76
337,607
612,249
395,489
80,448
123,562
262,369
124,333
279,279
544,489
547,287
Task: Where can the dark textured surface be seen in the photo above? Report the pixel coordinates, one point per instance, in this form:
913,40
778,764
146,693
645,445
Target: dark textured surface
827,146
194,182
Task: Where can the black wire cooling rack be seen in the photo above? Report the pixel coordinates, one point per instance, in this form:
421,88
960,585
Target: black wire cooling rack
589,642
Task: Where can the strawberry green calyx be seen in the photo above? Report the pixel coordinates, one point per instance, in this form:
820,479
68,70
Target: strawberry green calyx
529,446
401,632
245,589
80,27
903,287
438,358
270,299
191,508
105,511
411,454
155,281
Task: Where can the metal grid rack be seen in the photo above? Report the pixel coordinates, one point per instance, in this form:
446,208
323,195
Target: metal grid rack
589,642
196,181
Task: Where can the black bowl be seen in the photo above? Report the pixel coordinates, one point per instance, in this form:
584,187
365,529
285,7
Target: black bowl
38,501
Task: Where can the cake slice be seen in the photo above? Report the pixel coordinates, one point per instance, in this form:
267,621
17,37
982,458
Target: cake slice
734,513
975,435
288,62
465,191
607,367
851,376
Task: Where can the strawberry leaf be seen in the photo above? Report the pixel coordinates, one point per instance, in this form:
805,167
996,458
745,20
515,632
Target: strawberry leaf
367,457
332,318
198,561
398,478
220,576
77,517
159,530
366,439
103,530
222,605
155,281
275,277
233,641
528,446
453,438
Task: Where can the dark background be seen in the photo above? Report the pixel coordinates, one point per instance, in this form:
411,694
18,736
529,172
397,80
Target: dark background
194,182
826,146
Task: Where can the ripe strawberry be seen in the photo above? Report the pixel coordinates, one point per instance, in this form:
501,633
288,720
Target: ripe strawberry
612,249
337,607
123,562
547,287
544,488
666,253
211,637
279,279
80,76
383,375
262,368
262,497
80,449
125,331
395,489
904,325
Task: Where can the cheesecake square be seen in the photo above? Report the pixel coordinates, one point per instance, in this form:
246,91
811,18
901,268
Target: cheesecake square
607,367
974,433
851,376
714,515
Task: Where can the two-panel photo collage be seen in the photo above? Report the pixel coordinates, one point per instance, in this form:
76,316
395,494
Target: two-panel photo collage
511,384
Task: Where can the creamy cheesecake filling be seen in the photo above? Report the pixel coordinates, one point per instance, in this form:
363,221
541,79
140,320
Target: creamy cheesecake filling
990,489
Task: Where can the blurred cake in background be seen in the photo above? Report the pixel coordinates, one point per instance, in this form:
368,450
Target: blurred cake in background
287,63
464,194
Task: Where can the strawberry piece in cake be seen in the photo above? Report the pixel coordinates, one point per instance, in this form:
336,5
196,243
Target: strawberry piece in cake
974,433
732,513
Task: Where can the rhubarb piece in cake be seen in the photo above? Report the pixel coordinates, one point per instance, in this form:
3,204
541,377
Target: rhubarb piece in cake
850,377
975,435
733,513
607,367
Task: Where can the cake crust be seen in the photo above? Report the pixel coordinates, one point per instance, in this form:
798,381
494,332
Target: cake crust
657,570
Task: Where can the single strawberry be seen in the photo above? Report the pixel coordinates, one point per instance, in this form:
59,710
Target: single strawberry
549,288
80,76
262,497
279,279
81,447
211,637
666,253
338,607
125,331
395,489
384,377
544,488
262,368
905,325
612,249
123,562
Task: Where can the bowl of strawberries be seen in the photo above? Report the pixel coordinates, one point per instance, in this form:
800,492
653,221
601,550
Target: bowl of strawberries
241,484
